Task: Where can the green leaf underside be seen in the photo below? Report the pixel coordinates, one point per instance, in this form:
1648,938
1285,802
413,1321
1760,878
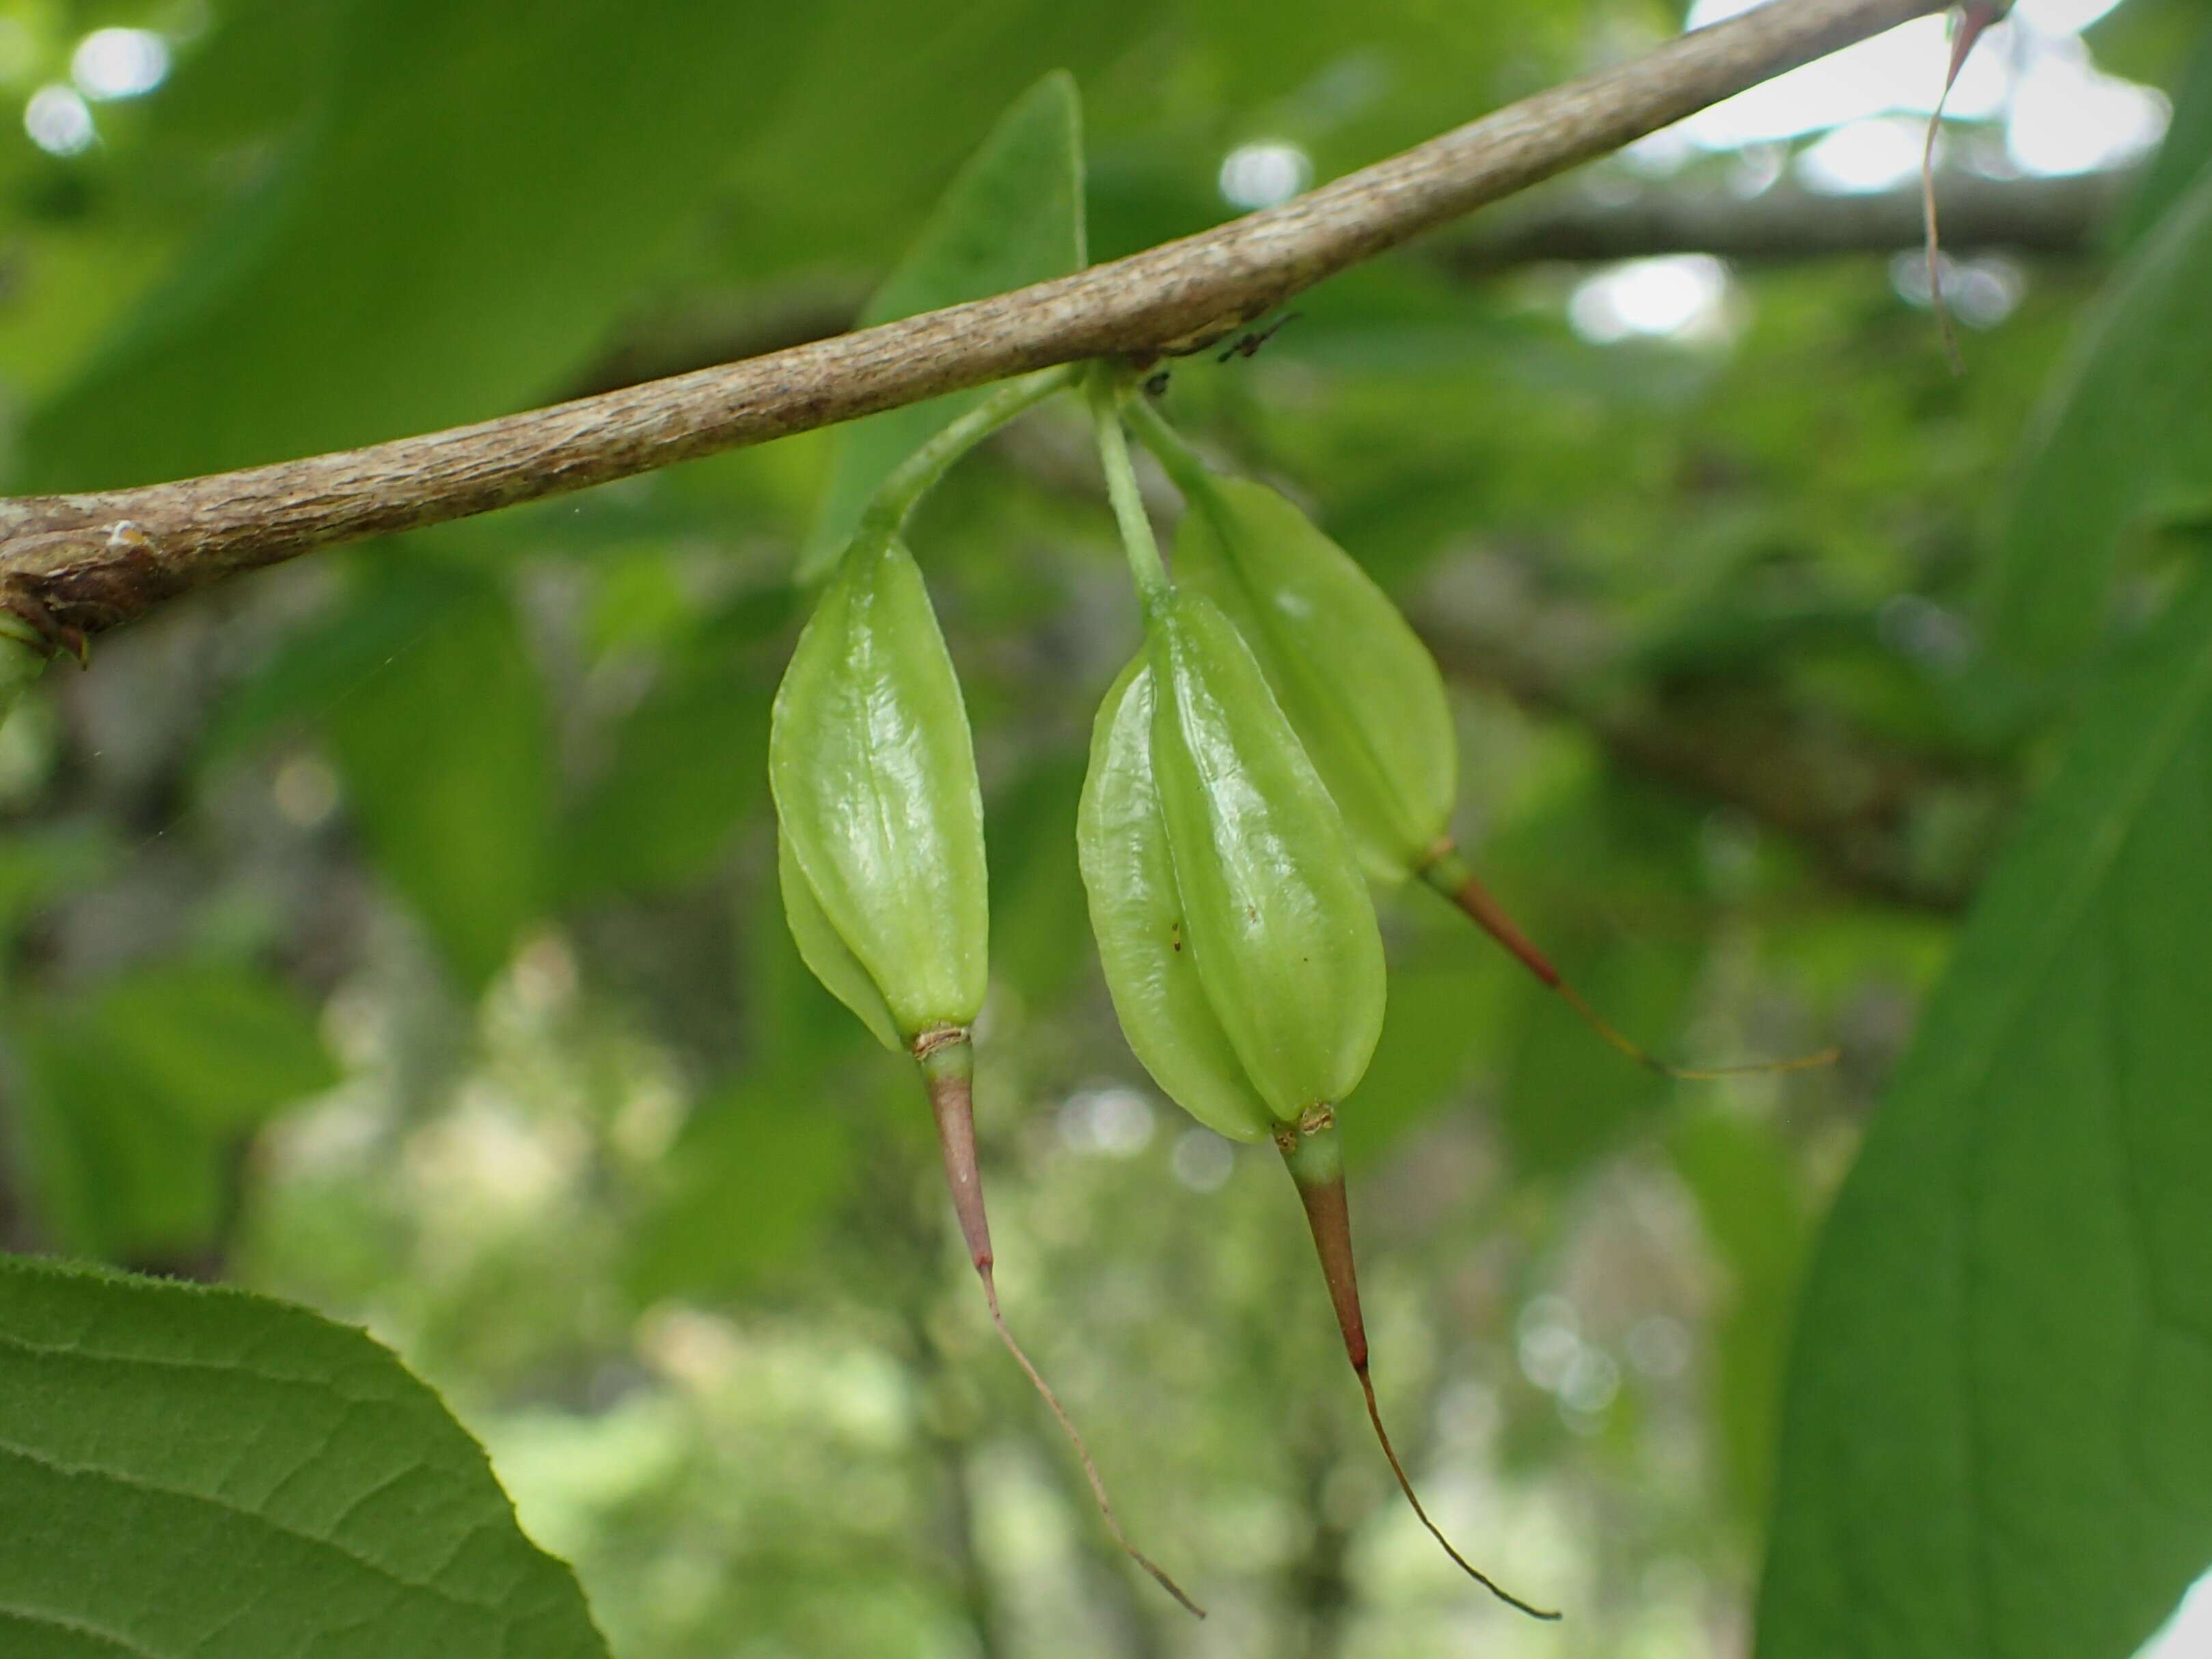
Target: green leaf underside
437,243
874,778
1358,686
824,953
187,1471
1136,915
1276,911
689,765
2126,441
134,1100
1998,1430
724,1227
449,767
1012,216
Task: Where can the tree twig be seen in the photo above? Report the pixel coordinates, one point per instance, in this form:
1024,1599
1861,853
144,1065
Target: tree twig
2059,216
91,562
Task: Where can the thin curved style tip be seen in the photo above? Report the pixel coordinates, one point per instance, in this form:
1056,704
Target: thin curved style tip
947,1061
1816,1060
1404,1486
1448,874
1159,1574
1313,1160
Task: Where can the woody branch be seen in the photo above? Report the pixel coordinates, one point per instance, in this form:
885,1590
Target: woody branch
83,563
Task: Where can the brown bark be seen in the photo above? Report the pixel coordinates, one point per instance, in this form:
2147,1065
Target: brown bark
87,562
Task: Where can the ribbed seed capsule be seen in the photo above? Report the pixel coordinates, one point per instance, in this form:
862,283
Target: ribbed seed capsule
1226,899
879,852
1233,923
882,819
1277,918
1137,913
1363,694
1361,690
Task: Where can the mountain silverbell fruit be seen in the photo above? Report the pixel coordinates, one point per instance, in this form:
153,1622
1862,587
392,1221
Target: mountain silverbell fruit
879,848
1362,692
22,659
1234,924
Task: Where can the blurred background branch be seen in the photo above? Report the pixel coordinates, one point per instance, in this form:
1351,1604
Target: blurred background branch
2061,217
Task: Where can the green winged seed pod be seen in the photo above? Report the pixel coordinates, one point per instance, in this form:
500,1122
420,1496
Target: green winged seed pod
22,659
1236,932
1360,689
1277,919
1136,912
1234,924
879,851
1362,692
876,796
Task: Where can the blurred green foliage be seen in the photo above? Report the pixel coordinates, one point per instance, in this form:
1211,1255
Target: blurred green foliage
397,932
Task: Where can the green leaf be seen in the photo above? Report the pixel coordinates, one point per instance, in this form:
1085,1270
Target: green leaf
2123,443
760,1168
316,668
2182,156
1439,1019
36,867
1038,902
1569,1097
444,752
206,1472
113,1169
471,205
690,762
1738,1170
1013,216
228,1045
22,661
1996,1439
136,1097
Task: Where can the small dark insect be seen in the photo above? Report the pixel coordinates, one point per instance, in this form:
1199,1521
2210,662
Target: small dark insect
1156,384
1248,344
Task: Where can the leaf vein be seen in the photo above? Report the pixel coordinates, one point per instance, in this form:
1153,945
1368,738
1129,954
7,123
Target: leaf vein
140,1483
